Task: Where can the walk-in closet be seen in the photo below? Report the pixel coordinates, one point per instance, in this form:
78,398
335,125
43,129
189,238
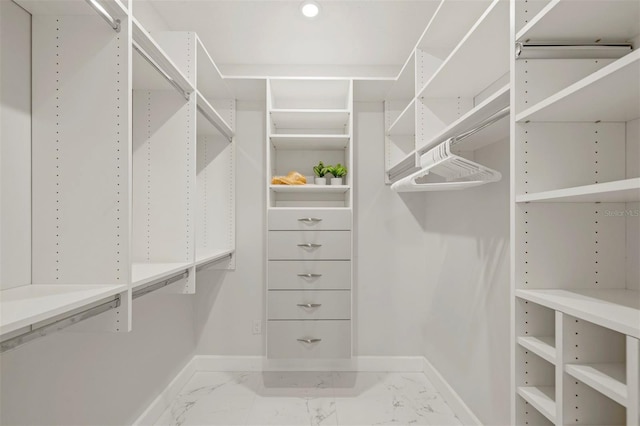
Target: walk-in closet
320,212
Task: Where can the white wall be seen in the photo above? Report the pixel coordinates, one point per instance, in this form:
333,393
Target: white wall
72,378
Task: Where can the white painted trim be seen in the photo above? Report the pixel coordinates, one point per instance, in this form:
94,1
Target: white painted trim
166,397
456,403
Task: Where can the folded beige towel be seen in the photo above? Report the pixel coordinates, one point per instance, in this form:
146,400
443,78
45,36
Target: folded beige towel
293,178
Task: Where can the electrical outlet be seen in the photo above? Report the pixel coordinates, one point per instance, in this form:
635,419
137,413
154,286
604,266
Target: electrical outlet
256,326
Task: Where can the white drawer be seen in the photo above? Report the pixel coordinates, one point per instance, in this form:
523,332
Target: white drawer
335,339
309,305
309,245
309,275
309,219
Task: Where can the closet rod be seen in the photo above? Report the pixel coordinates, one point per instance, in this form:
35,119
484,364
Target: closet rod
44,330
561,50
215,123
115,23
486,123
157,285
160,70
212,261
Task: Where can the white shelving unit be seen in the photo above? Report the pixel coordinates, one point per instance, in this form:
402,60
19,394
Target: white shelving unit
436,97
575,223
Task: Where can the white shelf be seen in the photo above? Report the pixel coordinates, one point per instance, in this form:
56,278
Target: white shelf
621,191
208,256
404,87
145,76
405,124
209,80
213,117
487,46
616,87
310,118
542,398
616,309
608,379
543,346
30,304
309,188
115,8
616,19
310,142
143,273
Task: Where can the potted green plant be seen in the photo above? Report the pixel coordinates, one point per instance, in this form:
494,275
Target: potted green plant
338,171
320,171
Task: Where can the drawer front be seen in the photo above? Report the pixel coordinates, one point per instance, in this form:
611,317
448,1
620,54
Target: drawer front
309,305
309,219
309,245
335,339
310,275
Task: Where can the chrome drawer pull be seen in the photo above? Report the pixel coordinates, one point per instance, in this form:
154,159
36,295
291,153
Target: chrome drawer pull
309,305
310,275
309,340
309,219
310,245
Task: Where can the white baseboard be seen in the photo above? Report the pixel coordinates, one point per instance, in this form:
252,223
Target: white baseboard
456,403
166,397
259,363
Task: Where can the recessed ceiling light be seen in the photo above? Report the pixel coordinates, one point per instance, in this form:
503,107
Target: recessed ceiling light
310,8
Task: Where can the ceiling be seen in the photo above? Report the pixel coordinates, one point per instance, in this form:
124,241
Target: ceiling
252,37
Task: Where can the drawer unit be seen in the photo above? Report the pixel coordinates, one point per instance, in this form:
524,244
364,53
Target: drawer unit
309,339
310,219
309,245
309,275
309,305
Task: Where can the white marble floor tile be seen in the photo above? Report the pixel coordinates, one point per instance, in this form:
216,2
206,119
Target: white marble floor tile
293,411
296,384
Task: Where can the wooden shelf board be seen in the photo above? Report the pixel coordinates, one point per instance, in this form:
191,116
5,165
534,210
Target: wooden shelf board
616,87
454,78
616,309
616,20
204,256
143,273
405,124
310,142
309,188
543,346
621,191
608,379
29,304
310,118
218,124
542,398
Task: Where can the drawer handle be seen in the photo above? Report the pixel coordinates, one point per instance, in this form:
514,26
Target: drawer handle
310,245
309,341
309,305
310,275
309,219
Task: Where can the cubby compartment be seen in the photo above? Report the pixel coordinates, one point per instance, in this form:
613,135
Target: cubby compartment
535,384
535,329
585,406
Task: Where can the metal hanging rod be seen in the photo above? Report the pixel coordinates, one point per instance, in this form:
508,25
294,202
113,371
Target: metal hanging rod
153,286
484,124
115,23
560,50
215,123
160,70
212,261
34,333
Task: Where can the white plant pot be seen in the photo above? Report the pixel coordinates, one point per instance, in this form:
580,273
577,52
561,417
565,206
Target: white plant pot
321,181
336,181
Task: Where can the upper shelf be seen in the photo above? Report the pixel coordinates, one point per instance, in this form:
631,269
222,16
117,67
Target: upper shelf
404,87
486,46
616,309
30,304
159,66
616,87
620,191
611,20
213,118
115,8
310,142
143,273
310,188
209,81
294,119
405,124
309,93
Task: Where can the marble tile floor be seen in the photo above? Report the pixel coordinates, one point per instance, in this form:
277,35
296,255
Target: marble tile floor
309,399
